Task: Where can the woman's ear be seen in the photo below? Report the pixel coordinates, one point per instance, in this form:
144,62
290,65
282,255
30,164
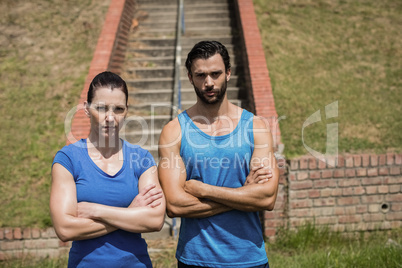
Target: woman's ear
86,108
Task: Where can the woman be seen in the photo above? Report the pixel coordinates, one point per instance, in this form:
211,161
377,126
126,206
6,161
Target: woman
105,191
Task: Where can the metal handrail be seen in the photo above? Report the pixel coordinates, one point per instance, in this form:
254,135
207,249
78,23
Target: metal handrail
177,66
177,81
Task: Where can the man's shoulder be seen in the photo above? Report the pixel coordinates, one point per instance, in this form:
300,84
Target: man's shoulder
171,132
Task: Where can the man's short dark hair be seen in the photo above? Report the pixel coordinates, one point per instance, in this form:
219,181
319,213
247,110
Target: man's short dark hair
205,50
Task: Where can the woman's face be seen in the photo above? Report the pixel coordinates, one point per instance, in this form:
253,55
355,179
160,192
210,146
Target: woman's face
107,112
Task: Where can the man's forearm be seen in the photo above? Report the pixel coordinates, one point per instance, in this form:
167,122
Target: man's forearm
189,206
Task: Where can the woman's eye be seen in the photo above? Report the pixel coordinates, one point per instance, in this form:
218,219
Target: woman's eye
119,110
101,108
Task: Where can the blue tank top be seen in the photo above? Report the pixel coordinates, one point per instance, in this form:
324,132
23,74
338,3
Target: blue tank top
230,239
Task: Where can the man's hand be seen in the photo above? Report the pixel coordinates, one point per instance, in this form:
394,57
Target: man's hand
148,196
258,174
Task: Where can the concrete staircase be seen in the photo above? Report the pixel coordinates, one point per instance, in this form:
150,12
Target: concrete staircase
149,63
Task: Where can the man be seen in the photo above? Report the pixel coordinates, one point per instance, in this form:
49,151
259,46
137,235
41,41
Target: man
217,170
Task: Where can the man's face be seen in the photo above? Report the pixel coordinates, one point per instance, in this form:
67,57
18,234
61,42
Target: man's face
209,79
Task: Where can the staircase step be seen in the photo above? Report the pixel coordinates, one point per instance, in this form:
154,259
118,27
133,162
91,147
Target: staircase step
166,108
186,94
167,82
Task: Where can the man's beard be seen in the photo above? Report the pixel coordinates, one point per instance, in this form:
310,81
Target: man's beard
218,97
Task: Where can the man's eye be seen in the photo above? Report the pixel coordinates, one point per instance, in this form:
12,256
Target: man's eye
101,108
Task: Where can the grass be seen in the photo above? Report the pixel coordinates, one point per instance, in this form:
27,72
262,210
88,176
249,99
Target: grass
308,246
46,47
322,51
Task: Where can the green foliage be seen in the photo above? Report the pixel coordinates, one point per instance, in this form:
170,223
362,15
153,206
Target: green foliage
348,51
311,246
45,50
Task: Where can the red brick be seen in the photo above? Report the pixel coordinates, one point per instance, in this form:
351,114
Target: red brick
292,176
382,160
350,173
26,233
359,190
306,184
339,211
349,161
371,189
304,163
350,210
322,164
306,203
372,181
349,219
35,233
357,160
340,162
396,207
383,189
312,163
326,174
361,172
395,188
370,199
339,173
17,233
365,160
348,182
361,209
351,200
12,245
302,175
8,233
326,220
374,160
390,159
393,198
374,217
398,159
394,216
336,192
395,170
1,233
324,202
383,171
324,183
347,191
294,164
372,172
326,192
315,174
313,193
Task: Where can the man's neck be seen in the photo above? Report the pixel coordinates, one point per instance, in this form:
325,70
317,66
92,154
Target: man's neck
211,111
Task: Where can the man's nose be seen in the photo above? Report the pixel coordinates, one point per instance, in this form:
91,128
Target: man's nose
209,81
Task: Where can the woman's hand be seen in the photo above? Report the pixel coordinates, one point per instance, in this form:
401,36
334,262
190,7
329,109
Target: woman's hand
259,174
148,196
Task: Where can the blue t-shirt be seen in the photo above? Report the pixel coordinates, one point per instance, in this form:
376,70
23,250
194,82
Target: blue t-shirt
233,238
119,248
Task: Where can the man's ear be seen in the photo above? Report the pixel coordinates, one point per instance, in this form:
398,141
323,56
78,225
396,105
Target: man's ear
228,73
86,108
190,77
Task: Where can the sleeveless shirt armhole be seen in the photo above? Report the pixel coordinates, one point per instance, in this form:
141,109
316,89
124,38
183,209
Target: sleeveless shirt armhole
182,123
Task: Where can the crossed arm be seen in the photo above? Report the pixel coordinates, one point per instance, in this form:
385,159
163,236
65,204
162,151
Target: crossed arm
196,199
79,221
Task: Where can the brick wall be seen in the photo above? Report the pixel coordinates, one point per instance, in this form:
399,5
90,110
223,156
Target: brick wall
20,242
362,193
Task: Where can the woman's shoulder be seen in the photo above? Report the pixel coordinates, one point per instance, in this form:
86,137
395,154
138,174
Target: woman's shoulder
134,147
74,147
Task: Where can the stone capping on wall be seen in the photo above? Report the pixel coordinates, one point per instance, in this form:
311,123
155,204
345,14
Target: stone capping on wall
256,71
108,56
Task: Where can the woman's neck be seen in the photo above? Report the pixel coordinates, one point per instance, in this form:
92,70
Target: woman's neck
106,147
